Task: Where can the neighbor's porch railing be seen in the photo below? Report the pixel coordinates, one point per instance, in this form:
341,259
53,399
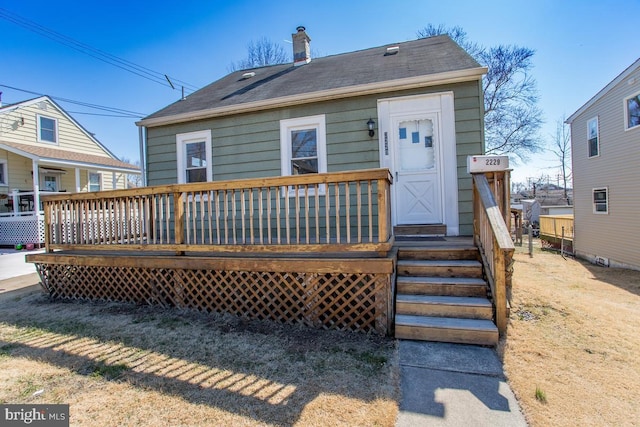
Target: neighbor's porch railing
491,233
315,212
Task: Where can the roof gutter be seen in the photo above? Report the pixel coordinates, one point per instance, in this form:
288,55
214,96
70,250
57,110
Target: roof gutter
324,95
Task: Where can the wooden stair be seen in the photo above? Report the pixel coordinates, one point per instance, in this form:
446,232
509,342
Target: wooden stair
441,295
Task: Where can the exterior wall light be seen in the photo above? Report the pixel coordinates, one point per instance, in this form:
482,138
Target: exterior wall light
370,125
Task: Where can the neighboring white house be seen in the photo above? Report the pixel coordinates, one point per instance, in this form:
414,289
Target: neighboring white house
605,141
43,150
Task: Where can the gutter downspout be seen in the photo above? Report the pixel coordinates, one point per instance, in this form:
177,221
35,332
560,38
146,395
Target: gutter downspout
143,150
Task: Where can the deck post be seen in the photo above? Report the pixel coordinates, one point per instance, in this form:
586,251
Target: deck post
499,276
383,208
178,209
47,227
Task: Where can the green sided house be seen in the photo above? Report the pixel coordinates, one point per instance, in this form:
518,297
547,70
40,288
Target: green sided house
329,191
44,151
423,98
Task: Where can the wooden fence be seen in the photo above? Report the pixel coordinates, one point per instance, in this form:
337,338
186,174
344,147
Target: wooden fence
314,213
491,234
556,226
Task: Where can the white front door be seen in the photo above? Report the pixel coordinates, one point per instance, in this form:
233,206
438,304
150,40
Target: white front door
416,167
418,145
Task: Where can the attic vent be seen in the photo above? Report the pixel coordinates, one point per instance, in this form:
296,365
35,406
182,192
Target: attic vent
392,50
248,75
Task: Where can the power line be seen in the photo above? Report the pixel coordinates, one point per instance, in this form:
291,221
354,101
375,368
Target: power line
120,111
102,115
103,56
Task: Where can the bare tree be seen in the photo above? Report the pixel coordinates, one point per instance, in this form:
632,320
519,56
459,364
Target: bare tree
260,53
562,150
512,118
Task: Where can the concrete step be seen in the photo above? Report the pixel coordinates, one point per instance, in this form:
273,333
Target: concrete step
452,286
464,331
440,268
444,306
417,252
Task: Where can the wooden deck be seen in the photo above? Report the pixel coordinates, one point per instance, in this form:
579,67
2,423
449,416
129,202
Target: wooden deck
316,250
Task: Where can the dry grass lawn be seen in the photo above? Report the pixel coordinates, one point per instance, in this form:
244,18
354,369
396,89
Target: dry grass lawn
572,358
574,336
118,364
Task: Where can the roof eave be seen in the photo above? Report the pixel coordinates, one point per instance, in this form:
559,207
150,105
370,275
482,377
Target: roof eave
324,95
632,68
88,165
68,163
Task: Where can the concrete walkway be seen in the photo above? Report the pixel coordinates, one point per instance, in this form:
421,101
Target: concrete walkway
454,385
17,277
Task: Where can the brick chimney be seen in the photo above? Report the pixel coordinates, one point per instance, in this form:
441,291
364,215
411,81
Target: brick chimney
301,51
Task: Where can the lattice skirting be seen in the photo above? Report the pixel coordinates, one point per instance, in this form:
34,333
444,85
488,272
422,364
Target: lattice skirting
357,301
21,229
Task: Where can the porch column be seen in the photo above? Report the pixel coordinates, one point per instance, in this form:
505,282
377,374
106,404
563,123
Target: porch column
36,187
77,180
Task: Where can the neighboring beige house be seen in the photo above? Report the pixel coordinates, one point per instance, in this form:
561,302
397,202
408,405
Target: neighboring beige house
44,150
605,141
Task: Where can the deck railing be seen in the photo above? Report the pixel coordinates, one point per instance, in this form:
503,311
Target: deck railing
491,234
315,212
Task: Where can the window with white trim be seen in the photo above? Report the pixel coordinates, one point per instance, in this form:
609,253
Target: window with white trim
601,200
593,137
95,181
3,172
47,129
50,182
303,145
632,111
194,157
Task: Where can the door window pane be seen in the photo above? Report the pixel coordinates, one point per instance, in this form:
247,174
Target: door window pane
417,151
50,183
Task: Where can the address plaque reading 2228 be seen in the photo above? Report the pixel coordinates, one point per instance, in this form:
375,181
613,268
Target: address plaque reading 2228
476,164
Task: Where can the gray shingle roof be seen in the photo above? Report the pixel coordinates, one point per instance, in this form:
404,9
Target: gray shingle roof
416,58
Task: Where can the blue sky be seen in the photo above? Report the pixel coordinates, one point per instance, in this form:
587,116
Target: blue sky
580,47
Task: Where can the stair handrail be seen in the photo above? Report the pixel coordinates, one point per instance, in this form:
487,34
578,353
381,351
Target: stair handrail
493,239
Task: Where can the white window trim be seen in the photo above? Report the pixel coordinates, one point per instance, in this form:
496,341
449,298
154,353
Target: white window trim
286,126
593,190
596,118
43,177
181,140
89,173
626,112
38,116
5,169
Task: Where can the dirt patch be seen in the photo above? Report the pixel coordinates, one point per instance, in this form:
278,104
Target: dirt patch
573,347
119,364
